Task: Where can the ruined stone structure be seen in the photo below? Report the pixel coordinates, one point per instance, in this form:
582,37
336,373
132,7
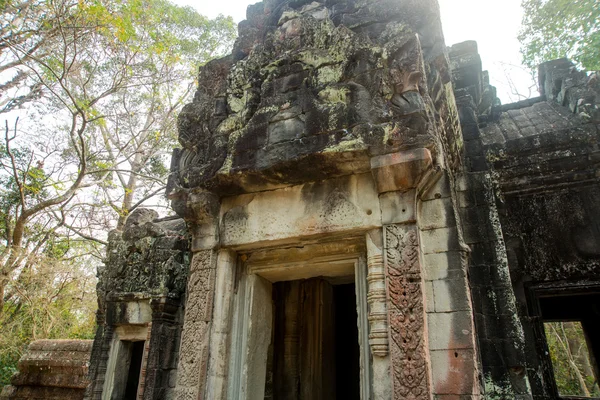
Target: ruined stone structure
360,219
51,370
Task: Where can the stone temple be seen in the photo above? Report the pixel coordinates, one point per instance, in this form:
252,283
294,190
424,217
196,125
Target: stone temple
359,218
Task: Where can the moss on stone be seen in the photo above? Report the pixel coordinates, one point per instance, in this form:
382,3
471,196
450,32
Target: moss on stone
334,95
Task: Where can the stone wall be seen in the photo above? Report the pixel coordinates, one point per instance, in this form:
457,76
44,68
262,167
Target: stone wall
51,370
527,202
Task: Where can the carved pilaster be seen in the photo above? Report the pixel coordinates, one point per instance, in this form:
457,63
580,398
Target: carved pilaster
376,296
410,377
162,347
193,352
98,369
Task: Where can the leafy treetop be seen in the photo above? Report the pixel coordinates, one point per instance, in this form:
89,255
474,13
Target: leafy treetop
555,29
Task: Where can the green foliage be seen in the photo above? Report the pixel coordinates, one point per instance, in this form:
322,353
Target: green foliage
53,298
554,29
114,74
8,366
570,359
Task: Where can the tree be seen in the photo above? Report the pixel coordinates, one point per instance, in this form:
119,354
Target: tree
53,299
570,359
554,29
90,93
113,74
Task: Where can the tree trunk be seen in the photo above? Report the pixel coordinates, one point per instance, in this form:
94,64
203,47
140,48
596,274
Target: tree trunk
129,194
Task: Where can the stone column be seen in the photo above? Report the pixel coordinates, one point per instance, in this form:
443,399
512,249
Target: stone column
397,175
193,352
100,353
162,339
376,295
378,315
221,327
201,211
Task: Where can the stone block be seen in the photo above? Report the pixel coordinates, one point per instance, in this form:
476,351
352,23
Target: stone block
479,275
52,370
397,207
450,330
451,295
483,253
439,265
453,372
475,233
440,240
286,130
342,205
462,183
440,190
434,214
506,326
400,171
429,297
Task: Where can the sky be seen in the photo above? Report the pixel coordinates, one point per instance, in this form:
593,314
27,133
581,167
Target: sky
493,24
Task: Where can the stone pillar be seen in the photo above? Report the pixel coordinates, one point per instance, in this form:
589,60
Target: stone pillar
221,327
100,352
193,352
376,296
396,176
410,366
450,318
378,315
201,210
161,363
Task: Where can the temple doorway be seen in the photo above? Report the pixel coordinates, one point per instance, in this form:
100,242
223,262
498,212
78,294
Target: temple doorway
314,352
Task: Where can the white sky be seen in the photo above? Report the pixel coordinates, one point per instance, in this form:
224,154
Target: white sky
494,24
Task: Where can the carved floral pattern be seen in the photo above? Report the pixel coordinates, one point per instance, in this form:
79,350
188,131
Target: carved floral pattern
406,316
193,352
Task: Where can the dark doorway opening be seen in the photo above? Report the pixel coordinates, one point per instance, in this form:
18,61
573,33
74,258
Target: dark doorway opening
347,351
315,349
135,367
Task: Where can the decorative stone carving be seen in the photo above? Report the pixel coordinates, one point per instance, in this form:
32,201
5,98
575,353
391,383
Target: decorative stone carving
149,256
344,81
376,297
193,353
410,378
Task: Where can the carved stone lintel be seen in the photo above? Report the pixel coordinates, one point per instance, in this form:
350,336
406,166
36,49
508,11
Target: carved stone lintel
410,376
376,297
194,349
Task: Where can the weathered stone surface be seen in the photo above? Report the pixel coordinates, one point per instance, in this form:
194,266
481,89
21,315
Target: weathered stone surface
147,255
313,209
312,90
51,370
194,352
527,213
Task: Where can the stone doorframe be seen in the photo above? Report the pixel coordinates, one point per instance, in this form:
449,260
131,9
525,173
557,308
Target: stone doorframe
251,336
134,325
400,220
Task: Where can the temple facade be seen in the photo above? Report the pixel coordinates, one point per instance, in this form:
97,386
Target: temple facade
358,218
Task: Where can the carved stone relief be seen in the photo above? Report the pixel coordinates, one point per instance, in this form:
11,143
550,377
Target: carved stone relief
410,378
193,354
376,297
